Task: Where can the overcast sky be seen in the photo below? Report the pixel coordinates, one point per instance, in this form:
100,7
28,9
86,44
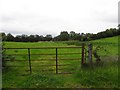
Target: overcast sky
53,16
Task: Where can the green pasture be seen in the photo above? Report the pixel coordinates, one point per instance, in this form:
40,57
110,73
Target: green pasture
101,76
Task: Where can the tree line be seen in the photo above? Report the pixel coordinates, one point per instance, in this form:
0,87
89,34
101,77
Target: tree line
64,36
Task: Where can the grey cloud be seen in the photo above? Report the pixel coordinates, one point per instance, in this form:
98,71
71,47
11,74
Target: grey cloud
7,19
14,31
119,12
110,19
105,16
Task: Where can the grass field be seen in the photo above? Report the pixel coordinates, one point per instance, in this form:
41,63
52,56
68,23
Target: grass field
103,76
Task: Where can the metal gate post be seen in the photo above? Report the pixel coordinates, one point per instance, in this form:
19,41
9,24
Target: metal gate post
82,54
56,62
29,60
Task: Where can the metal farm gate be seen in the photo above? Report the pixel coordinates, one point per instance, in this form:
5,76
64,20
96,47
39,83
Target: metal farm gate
59,60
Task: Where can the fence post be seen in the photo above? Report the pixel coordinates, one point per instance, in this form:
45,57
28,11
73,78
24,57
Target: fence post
90,53
29,60
56,62
85,55
82,54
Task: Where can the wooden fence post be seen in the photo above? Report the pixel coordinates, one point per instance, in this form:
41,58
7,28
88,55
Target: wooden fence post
90,53
82,54
56,62
29,60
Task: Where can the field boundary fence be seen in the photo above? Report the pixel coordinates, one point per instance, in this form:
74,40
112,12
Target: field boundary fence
81,59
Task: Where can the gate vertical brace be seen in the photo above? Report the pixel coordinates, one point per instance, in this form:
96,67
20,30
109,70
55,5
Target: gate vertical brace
29,60
56,62
82,54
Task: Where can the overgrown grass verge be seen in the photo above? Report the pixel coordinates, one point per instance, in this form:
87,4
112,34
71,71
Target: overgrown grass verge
102,76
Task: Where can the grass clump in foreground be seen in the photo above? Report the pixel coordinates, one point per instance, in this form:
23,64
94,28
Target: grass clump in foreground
103,76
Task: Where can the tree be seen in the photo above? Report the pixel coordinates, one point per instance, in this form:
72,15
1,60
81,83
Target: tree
118,26
18,38
3,36
77,36
21,38
109,32
48,37
72,35
24,38
118,31
31,38
41,38
9,37
64,36
36,38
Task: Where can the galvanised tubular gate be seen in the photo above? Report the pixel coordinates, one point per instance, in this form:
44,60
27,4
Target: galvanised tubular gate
83,55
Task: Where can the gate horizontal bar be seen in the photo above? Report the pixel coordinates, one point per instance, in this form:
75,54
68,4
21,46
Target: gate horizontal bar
15,60
65,73
46,47
40,54
69,59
